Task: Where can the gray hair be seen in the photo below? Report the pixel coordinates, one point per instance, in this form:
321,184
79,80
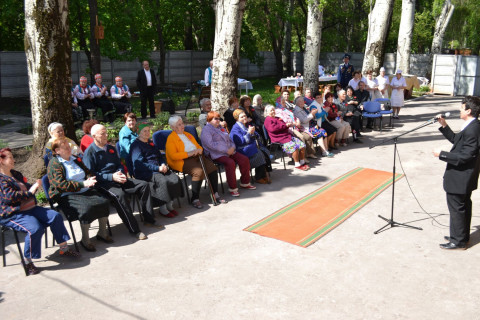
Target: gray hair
52,127
297,99
255,100
97,127
172,121
341,92
203,101
268,107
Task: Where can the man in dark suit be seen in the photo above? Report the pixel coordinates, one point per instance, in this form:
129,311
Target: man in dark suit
461,174
345,71
146,83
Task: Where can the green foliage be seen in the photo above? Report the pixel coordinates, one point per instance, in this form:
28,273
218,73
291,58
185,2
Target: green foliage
161,121
3,144
113,129
41,198
192,116
12,25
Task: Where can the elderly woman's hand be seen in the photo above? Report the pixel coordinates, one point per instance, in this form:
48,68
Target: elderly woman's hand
163,168
90,182
251,129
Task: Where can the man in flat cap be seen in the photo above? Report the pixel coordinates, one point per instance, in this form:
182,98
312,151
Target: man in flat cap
345,71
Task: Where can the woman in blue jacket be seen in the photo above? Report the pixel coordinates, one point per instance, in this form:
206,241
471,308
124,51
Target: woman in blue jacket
246,142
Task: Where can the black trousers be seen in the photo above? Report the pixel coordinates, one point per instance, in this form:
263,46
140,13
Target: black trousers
144,96
108,110
460,207
118,194
122,106
86,104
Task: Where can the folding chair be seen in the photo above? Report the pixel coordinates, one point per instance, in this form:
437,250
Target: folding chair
386,102
276,145
20,253
371,109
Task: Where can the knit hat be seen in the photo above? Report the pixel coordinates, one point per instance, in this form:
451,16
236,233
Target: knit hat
237,113
142,125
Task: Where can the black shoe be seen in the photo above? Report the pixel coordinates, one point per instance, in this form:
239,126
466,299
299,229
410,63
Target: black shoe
452,246
359,134
450,239
358,141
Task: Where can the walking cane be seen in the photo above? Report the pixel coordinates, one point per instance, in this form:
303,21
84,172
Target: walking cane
212,194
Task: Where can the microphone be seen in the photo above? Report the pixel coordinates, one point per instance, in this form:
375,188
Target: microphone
442,115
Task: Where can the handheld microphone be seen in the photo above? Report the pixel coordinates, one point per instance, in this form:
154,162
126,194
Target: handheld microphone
442,115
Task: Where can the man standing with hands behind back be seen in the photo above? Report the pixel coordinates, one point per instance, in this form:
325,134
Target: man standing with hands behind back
461,174
146,83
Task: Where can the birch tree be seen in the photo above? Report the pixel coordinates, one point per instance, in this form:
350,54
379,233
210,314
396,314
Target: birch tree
405,34
226,51
441,25
312,45
47,48
379,20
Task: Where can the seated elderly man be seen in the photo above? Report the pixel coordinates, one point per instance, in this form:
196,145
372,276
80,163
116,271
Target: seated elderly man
102,159
120,94
83,93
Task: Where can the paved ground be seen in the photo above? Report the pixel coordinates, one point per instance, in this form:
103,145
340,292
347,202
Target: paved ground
9,134
203,266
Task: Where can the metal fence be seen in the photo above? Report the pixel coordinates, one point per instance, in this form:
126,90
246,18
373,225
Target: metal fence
180,67
456,75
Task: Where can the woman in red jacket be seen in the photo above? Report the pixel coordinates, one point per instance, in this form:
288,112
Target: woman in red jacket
280,132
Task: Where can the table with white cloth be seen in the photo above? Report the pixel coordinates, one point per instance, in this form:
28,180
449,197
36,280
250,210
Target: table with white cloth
297,82
244,84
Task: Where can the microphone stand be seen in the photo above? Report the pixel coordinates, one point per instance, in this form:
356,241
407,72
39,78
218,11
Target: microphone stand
390,222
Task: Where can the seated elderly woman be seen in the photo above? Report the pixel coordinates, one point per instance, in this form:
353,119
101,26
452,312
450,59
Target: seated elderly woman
322,121
56,131
149,165
308,97
305,117
335,118
71,186
258,108
246,139
205,108
183,153
87,137
228,115
127,134
220,148
19,212
280,132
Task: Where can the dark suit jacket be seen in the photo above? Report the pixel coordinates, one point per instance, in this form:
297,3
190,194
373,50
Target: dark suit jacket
463,160
142,80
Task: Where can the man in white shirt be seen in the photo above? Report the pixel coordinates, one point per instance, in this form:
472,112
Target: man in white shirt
208,74
146,83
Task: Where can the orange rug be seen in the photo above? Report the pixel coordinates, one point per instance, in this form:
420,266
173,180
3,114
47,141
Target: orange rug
308,219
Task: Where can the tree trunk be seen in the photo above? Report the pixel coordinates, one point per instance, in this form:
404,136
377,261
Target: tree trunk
161,45
96,59
48,49
405,34
441,25
274,39
312,46
226,51
378,24
188,32
287,42
83,43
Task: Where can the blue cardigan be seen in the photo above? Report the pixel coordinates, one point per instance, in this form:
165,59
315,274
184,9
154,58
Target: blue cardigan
126,138
244,142
103,163
146,159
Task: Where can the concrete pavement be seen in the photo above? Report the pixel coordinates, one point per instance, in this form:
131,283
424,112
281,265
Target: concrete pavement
203,266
